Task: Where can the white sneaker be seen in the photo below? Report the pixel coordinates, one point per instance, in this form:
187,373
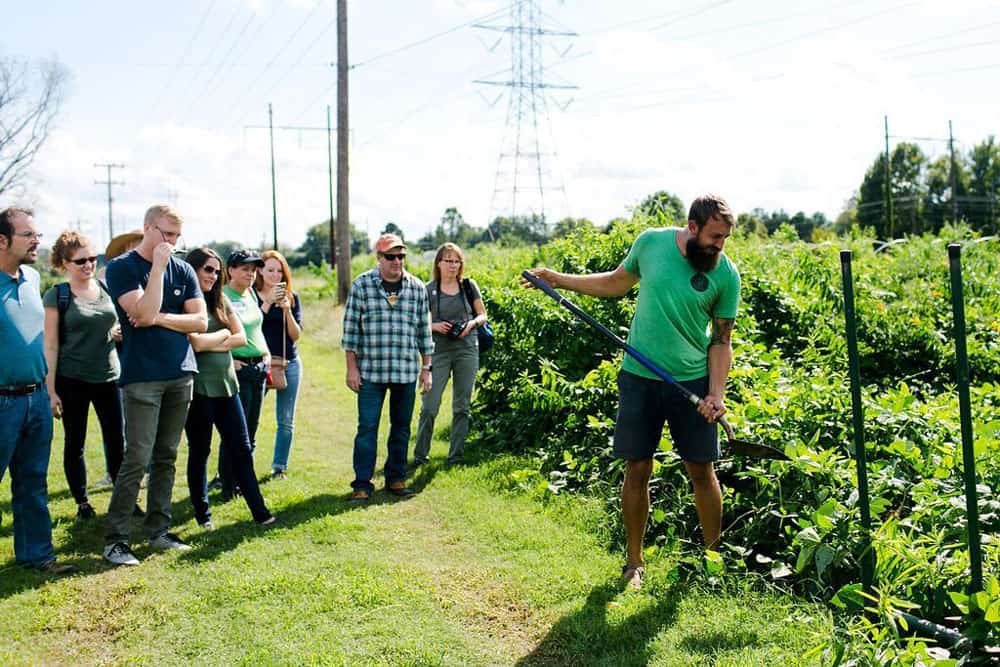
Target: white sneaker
104,482
207,526
168,542
119,554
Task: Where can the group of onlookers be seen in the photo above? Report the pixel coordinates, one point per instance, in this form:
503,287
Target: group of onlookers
161,346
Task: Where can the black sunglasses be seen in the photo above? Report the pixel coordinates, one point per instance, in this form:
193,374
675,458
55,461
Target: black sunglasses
393,257
211,270
84,260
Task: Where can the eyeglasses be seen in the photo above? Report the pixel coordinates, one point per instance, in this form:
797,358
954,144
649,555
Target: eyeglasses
29,235
393,257
211,270
451,261
84,260
169,237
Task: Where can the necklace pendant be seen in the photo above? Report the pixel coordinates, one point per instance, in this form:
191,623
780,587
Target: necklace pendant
392,300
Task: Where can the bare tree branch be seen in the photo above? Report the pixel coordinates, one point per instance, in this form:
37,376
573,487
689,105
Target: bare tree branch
30,97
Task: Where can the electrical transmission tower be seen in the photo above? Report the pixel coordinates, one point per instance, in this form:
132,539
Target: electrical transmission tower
526,164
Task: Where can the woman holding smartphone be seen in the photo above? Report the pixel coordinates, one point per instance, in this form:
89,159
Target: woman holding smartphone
282,329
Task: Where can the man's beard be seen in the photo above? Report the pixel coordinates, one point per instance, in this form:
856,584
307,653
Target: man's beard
701,258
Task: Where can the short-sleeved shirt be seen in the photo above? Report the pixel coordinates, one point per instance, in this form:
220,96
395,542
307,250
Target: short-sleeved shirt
274,328
246,308
676,303
451,308
150,354
22,329
87,350
216,376
387,337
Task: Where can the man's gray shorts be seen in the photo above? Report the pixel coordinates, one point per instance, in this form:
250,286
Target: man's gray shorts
645,404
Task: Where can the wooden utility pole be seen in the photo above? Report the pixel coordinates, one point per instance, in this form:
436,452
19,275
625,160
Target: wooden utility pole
109,182
343,132
274,189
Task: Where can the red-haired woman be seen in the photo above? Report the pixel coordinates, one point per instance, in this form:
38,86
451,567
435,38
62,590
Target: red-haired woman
282,329
81,327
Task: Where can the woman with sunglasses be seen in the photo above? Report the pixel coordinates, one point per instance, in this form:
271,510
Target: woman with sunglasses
81,327
216,398
456,311
282,328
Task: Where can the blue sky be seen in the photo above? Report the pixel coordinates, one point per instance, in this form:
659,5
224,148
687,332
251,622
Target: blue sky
772,103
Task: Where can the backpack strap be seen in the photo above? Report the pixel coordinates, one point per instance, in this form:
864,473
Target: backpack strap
467,290
63,297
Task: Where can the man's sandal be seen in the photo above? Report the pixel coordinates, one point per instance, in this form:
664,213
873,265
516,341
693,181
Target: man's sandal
632,576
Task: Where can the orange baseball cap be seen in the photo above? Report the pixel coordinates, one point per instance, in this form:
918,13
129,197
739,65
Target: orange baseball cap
388,242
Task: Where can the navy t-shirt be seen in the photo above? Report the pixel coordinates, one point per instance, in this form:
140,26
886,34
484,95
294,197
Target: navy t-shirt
151,354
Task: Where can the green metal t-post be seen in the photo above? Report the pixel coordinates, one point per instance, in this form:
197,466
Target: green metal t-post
965,416
857,411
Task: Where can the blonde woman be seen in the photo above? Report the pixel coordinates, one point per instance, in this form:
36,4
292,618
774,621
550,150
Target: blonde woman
81,327
282,328
456,311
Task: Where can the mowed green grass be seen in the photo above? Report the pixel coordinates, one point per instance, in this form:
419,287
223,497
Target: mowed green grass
466,573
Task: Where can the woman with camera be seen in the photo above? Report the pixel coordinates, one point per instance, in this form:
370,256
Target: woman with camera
456,311
282,328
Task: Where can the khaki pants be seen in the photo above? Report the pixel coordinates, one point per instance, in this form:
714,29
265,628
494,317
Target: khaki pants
462,365
155,413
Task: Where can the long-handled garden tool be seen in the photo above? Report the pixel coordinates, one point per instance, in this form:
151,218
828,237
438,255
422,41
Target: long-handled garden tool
735,445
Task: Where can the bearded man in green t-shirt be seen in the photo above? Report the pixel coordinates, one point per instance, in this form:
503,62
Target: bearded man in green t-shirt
686,283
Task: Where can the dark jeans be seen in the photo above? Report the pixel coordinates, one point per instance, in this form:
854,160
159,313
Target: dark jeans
370,399
226,414
25,441
76,396
253,379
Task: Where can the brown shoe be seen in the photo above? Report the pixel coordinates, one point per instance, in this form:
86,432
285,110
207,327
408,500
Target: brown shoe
632,576
58,569
400,490
359,497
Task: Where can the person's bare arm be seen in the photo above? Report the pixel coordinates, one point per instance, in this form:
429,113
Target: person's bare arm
720,360
52,357
607,284
353,373
208,342
142,305
194,319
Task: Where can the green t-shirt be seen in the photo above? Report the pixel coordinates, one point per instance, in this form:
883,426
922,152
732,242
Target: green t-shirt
216,375
246,308
87,351
675,305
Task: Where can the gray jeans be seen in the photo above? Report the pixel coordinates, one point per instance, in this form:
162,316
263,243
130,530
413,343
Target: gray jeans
461,364
155,413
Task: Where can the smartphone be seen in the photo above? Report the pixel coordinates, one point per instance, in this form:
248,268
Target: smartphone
279,291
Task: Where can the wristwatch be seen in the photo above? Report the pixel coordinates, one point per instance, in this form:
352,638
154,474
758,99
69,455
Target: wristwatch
428,367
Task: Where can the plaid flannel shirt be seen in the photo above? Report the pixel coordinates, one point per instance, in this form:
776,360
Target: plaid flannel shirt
388,339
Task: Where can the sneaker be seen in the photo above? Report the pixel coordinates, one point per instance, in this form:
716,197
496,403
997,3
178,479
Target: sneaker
120,554
58,569
168,542
278,474
104,483
632,576
85,511
207,526
267,523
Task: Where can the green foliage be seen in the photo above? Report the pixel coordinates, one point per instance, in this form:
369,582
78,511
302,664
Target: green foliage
549,389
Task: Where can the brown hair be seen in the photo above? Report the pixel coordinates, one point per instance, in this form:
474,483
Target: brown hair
710,206
7,220
68,242
286,271
215,300
448,247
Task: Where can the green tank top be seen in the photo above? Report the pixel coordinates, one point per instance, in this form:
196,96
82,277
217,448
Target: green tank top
216,375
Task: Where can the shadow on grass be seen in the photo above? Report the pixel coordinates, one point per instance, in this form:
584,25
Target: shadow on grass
589,637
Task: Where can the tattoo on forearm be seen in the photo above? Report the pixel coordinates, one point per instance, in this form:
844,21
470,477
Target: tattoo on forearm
722,331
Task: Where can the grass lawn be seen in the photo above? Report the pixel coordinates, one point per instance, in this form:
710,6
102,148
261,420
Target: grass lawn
463,574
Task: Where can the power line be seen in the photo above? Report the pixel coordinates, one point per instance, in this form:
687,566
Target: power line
944,49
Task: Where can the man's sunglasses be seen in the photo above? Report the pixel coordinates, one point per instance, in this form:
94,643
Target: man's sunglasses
84,260
392,257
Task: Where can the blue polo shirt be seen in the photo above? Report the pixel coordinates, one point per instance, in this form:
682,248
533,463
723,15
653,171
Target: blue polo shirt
151,354
22,329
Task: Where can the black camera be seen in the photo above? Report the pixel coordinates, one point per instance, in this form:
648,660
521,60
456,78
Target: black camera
457,326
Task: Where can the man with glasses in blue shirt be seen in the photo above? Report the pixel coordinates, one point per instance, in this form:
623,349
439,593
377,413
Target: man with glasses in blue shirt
388,344
25,415
159,303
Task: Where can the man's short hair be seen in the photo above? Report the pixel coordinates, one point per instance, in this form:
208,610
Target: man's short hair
706,207
157,211
7,220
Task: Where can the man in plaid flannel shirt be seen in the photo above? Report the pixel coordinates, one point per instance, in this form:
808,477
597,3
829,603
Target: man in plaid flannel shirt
387,340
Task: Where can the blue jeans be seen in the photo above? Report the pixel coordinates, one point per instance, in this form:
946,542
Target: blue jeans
226,414
253,378
285,409
370,399
25,443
